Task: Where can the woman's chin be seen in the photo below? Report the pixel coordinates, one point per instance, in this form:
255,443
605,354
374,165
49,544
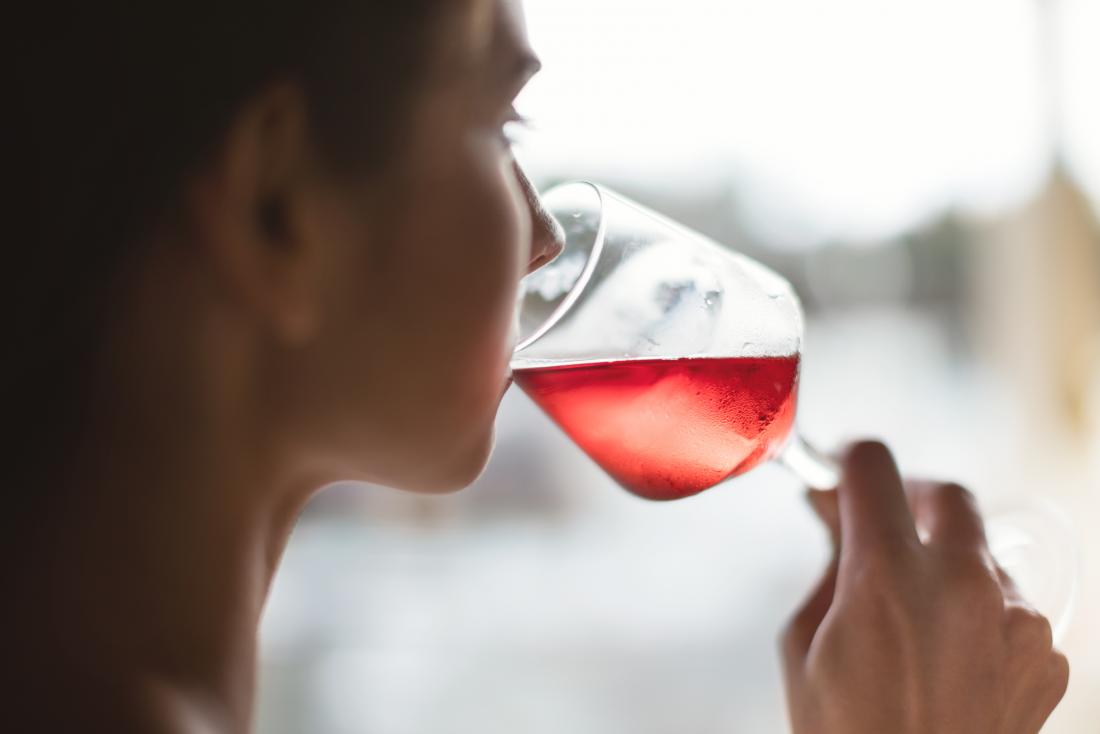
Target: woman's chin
447,472
468,468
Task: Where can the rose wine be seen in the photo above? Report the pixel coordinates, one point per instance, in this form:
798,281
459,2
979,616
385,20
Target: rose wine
664,428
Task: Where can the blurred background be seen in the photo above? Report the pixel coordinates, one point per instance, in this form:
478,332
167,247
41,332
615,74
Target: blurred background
927,174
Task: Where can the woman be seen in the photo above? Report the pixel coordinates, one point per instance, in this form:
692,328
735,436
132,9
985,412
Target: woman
268,246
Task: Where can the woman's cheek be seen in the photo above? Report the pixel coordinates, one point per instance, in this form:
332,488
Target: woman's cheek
511,245
498,323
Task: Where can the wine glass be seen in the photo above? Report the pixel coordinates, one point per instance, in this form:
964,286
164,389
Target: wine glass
673,362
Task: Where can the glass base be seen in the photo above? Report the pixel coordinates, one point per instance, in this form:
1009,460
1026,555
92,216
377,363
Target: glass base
1034,542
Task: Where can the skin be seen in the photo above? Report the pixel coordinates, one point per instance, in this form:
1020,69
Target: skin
365,337
913,632
363,332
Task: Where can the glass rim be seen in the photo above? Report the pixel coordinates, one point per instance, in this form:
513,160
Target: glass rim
583,279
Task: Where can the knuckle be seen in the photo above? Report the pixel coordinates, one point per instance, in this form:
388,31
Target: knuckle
1059,674
971,584
885,589
1028,628
884,566
879,576
971,574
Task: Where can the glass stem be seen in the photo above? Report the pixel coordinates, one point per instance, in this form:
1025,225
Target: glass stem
810,465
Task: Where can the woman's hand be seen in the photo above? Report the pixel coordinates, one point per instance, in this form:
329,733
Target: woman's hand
912,637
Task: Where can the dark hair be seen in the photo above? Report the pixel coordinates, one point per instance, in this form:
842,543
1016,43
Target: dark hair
114,103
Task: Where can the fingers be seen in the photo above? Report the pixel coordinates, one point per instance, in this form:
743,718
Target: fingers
1011,591
875,521
1056,682
825,506
947,514
800,631
1044,671
1050,690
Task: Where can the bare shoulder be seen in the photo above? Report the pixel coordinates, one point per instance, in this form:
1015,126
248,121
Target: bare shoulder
173,710
136,706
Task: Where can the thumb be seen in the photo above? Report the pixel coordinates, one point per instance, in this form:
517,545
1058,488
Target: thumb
824,505
801,630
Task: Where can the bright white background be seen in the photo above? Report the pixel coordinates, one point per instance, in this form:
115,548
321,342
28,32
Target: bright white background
853,117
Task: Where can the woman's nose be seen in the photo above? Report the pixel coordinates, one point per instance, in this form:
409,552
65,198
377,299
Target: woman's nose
547,236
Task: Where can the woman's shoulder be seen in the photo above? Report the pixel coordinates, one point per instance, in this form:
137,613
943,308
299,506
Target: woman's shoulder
173,709
119,704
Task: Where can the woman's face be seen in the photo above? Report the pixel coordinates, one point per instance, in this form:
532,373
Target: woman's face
405,375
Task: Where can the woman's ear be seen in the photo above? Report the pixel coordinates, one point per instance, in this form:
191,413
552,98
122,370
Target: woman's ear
246,214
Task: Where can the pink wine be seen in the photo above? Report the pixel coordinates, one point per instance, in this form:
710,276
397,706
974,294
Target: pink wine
666,429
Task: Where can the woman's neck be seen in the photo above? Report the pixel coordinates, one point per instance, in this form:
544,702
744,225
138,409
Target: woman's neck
155,571
152,563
